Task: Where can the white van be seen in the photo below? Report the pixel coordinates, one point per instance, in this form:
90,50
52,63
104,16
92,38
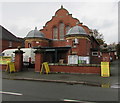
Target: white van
28,56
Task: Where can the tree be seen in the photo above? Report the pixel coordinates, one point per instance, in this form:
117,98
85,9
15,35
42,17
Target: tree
98,36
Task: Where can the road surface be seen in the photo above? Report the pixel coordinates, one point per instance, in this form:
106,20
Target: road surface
43,91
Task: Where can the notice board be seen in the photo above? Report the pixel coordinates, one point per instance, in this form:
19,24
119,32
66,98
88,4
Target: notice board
72,59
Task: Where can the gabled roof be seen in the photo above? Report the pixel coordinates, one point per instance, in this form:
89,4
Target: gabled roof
6,35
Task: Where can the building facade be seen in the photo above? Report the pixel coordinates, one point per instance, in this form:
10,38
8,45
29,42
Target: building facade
64,38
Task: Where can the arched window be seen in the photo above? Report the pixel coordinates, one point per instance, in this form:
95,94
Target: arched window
67,28
61,30
55,32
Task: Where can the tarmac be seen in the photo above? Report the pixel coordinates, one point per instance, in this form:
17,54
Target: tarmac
70,78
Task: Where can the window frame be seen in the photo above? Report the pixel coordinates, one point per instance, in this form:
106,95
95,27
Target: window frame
94,54
61,37
55,34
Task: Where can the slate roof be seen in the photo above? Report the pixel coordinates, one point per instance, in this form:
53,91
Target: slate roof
35,33
76,30
6,35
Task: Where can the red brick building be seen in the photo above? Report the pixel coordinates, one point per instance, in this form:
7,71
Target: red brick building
63,38
8,40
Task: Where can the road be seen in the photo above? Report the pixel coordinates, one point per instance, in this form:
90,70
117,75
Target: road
43,91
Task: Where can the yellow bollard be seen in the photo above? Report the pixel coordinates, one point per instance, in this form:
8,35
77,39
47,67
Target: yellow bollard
105,69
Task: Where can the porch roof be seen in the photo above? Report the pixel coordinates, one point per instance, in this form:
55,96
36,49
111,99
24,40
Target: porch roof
55,48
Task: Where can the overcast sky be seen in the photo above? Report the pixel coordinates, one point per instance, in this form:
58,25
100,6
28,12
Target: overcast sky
21,17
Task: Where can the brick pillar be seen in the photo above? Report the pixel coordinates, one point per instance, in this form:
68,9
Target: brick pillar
105,53
18,60
38,59
105,57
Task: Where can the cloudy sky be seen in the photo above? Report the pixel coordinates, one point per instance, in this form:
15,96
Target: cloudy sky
21,17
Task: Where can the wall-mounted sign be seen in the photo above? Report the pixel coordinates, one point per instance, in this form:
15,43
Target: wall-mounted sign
84,60
5,59
73,59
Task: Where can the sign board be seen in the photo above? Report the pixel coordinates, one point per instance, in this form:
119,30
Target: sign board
84,60
10,67
72,59
46,67
105,69
5,59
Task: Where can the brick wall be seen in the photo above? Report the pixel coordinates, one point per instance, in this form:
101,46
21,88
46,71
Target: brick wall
5,44
36,42
58,43
83,46
3,67
75,69
96,60
69,69
62,15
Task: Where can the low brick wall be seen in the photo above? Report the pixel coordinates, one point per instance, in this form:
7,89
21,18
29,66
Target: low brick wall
86,69
3,67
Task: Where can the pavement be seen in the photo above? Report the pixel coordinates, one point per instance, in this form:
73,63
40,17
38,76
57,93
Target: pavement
85,79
